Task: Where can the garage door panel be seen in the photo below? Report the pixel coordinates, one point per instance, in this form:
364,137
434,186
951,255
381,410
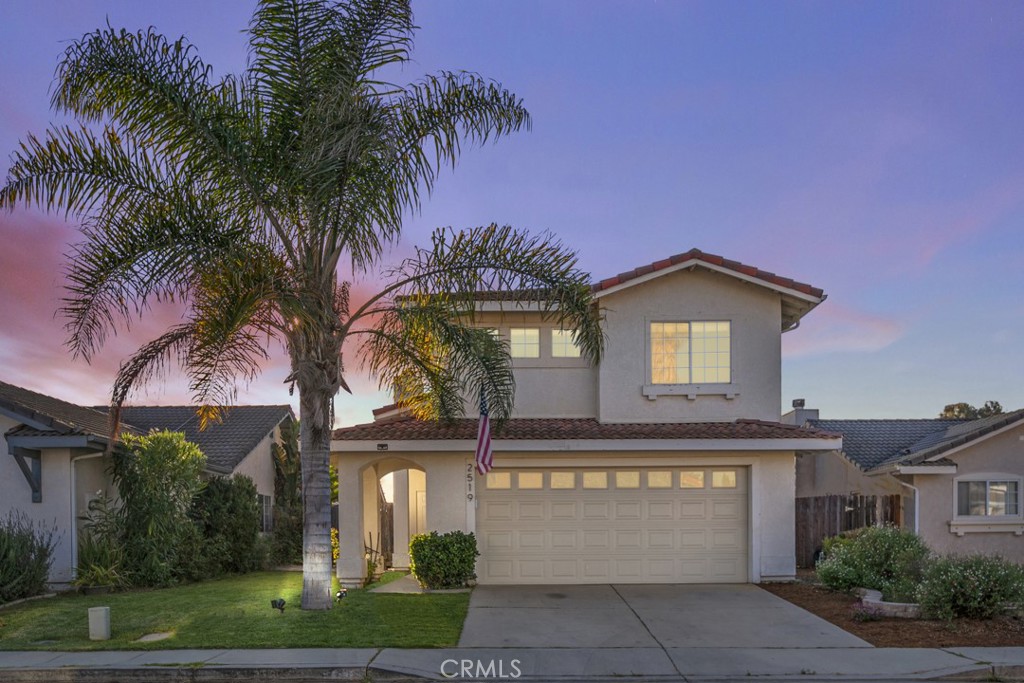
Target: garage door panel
532,510
628,509
562,509
595,533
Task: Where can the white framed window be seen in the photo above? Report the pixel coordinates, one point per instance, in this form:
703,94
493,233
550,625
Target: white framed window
696,352
563,344
524,342
989,496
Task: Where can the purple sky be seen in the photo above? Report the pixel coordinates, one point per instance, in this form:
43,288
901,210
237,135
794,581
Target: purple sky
875,150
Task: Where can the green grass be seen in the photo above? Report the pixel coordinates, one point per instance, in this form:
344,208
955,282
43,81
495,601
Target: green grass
235,612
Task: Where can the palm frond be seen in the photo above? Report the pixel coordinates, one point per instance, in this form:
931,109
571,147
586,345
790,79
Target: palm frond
433,361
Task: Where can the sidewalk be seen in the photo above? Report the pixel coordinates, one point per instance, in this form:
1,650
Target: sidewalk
525,664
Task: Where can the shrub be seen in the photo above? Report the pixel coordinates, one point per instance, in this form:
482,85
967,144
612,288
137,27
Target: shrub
100,548
228,513
157,477
976,586
884,558
335,545
26,554
443,560
286,544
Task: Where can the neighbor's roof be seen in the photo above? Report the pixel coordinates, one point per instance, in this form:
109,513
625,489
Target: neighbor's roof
929,448
872,444
46,414
410,429
226,443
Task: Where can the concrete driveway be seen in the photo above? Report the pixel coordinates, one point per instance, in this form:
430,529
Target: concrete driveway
639,616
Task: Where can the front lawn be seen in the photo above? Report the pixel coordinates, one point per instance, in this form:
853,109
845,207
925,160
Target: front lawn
235,612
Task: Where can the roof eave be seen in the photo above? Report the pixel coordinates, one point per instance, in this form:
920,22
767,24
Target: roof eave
574,445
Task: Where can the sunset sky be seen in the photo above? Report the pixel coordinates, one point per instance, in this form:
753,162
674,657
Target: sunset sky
873,149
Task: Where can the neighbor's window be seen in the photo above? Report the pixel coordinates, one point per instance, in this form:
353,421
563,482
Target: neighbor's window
988,498
524,342
691,353
563,344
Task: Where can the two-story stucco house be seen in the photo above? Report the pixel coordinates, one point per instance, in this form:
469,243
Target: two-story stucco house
53,463
666,463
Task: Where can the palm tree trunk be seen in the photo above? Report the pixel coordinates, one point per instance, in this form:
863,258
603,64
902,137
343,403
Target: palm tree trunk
314,421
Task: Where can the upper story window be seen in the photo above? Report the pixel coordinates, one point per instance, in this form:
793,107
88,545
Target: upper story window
995,497
563,344
524,342
691,352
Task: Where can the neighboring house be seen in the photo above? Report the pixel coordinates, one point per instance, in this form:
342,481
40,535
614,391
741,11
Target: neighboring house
54,464
666,463
961,480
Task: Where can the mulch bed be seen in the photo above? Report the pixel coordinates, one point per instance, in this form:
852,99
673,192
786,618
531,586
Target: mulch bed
838,608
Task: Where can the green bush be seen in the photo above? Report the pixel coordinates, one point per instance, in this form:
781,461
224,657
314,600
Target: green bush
443,560
976,587
884,558
26,554
228,514
157,477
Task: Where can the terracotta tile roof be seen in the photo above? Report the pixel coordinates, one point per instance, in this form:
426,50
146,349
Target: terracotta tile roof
715,260
409,429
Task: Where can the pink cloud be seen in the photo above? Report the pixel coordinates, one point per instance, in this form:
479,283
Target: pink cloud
834,328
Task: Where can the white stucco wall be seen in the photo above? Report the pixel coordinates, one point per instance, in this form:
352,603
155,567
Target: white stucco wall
1002,454
258,465
755,314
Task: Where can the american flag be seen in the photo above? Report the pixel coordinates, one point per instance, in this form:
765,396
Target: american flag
484,454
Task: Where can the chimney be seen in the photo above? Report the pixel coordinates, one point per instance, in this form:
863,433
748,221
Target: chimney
800,415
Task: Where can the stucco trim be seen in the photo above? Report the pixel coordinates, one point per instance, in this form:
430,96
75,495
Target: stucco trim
528,445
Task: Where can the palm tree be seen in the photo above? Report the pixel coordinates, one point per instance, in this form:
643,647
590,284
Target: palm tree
241,196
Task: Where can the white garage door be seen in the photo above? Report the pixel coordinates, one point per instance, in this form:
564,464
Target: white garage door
623,525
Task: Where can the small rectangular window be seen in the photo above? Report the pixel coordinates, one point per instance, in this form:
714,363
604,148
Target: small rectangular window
524,342
595,480
723,479
499,480
531,480
659,480
563,480
691,480
627,480
563,344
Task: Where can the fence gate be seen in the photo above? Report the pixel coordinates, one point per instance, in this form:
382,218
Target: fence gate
819,517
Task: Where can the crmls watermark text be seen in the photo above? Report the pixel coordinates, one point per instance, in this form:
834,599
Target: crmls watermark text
476,668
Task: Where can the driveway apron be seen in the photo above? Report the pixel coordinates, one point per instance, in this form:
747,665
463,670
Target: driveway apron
663,616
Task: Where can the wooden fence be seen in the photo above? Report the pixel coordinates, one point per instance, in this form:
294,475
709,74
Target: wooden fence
823,516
